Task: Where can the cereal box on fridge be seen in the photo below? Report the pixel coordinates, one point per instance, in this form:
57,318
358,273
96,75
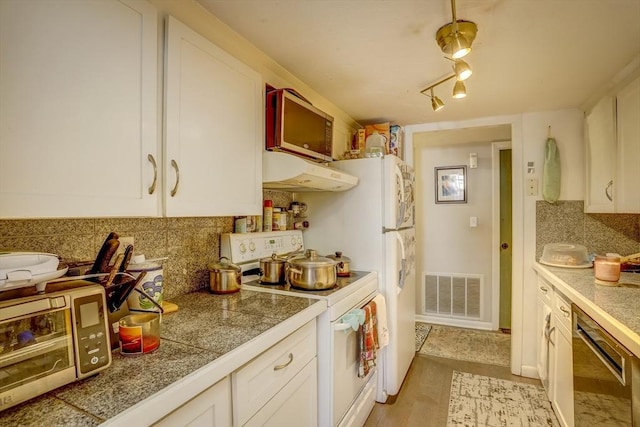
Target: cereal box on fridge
396,140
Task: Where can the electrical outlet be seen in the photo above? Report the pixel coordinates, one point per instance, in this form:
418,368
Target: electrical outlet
532,187
124,242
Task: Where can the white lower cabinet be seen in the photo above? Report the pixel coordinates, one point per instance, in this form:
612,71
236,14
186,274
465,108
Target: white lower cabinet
211,408
278,387
555,359
562,372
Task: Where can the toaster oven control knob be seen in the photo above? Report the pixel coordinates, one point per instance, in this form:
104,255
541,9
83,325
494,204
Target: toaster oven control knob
243,248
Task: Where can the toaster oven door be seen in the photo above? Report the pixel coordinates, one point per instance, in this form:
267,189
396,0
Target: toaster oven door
36,349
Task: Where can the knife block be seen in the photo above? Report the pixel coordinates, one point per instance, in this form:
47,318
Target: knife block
114,321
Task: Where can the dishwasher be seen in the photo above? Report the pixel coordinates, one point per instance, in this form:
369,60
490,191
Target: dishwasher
606,376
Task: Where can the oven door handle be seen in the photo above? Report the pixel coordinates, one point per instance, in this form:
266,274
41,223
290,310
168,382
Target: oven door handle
341,326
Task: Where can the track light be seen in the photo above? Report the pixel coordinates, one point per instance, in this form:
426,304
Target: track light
459,46
456,37
459,90
462,69
436,103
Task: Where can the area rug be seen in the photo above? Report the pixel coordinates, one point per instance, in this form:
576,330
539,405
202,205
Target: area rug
476,400
422,331
468,344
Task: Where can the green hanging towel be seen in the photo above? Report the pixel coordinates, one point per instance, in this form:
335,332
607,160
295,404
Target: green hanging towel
551,172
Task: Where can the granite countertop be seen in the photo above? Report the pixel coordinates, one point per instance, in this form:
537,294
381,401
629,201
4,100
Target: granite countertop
209,337
616,308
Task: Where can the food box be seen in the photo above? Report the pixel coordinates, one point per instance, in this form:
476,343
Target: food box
396,140
382,129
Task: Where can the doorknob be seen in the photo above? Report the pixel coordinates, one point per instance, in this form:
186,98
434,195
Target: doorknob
505,245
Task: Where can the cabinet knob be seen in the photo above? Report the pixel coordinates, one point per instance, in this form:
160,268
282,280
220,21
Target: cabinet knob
504,245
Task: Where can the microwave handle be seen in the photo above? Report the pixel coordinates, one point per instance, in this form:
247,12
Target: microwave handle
31,307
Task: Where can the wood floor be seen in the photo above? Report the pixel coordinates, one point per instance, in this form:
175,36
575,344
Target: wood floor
423,400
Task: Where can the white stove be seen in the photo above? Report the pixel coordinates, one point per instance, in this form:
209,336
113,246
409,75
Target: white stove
344,399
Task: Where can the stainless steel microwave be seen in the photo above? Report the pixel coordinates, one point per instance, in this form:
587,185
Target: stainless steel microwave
296,126
51,339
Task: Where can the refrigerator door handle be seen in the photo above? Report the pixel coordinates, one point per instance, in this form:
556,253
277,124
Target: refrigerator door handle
403,263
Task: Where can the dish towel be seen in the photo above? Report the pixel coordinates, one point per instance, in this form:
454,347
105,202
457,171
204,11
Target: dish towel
383,329
551,172
544,343
368,339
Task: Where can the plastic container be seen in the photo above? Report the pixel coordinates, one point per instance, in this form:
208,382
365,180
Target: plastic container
139,333
151,287
607,269
565,255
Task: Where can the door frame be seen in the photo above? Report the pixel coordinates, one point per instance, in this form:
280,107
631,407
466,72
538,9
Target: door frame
496,147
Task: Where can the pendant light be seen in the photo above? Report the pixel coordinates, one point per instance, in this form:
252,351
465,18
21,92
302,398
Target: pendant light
459,90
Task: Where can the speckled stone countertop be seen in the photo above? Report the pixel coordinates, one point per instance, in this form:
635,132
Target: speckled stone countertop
616,308
209,337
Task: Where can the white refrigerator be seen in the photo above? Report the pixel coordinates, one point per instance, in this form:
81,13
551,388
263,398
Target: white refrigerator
373,225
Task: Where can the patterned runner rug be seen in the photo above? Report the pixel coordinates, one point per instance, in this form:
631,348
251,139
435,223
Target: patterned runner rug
422,331
481,401
468,344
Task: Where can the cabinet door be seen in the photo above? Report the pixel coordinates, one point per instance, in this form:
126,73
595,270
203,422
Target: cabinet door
78,111
627,188
211,408
294,405
563,376
601,156
214,123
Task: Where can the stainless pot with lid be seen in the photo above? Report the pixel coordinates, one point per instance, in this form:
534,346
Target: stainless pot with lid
343,264
224,277
272,270
311,272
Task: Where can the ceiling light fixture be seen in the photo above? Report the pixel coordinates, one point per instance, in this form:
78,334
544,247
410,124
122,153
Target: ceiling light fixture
459,91
456,37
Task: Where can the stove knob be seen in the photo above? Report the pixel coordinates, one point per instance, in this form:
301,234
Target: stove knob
293,240
243,248
252,246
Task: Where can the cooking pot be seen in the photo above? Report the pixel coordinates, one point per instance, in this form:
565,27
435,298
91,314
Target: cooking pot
342,264
224,277
311,272
272,270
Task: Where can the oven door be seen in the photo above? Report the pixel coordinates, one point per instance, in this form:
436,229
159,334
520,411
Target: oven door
604,373
347,386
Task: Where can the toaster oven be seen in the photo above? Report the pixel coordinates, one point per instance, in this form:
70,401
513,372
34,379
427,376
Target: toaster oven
50,339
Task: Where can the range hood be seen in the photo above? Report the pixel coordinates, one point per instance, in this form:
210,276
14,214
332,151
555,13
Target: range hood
283,171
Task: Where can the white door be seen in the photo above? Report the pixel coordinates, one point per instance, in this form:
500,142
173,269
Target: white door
399,183
214,120
399,291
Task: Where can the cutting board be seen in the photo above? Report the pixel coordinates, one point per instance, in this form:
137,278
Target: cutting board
169,307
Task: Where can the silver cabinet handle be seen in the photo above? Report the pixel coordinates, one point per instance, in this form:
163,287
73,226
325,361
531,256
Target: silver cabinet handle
606,191
544,290
284,365
564,311
152,188
174,190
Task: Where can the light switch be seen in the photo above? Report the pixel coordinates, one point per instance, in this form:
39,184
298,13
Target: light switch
473,221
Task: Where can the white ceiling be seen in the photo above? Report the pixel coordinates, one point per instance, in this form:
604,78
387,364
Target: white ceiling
371,58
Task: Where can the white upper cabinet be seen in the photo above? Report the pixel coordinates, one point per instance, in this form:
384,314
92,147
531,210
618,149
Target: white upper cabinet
627,187
214,120
601,156
79,110
613,153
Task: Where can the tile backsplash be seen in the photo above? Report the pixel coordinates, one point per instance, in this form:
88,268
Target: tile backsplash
189,243
566,222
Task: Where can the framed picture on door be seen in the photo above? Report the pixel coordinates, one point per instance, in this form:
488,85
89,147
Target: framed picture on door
451,184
